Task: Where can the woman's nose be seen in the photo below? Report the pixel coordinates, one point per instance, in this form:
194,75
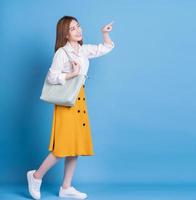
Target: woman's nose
79,30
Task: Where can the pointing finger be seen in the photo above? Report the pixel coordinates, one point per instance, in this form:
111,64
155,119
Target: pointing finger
111,23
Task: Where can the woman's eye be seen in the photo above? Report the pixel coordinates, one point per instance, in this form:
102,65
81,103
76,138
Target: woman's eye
73,28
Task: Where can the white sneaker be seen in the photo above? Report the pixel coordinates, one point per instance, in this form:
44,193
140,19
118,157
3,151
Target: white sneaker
71,192
34,185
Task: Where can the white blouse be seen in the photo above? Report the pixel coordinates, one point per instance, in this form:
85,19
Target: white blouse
61,64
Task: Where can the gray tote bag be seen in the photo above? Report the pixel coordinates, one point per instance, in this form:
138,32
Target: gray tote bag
64,95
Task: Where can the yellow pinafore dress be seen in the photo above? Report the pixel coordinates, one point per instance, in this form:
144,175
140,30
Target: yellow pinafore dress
71,132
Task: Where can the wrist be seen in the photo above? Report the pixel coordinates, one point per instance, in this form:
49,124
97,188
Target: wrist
105,32
70,75
74,73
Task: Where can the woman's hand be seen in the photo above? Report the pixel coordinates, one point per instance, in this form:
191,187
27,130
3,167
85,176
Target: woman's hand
107,28
76,67
75,72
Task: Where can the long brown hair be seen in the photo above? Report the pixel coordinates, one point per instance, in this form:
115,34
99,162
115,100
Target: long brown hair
62,30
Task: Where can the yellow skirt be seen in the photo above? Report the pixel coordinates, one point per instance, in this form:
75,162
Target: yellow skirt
71,132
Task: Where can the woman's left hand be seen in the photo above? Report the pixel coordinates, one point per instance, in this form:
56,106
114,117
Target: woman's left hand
107,28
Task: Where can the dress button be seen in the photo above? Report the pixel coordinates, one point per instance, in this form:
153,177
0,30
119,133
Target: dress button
83,124
84,111
78,111
78,98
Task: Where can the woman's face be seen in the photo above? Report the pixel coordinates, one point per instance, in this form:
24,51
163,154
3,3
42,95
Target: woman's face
75,32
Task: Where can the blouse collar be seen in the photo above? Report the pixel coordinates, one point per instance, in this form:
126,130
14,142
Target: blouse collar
69,47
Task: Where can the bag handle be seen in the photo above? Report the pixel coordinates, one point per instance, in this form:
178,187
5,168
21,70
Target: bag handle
70,59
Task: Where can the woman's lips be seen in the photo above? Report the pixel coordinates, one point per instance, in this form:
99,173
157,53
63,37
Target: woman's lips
79,35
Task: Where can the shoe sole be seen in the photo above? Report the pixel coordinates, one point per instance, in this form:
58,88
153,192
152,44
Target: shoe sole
28,180
71,197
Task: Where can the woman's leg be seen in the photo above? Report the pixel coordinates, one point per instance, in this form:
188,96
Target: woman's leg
70,164
49,161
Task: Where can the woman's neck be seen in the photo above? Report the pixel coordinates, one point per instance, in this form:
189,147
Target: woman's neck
75,45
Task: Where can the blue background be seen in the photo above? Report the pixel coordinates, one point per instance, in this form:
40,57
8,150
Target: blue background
141,97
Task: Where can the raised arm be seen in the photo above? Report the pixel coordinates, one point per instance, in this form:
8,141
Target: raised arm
93,50
105,31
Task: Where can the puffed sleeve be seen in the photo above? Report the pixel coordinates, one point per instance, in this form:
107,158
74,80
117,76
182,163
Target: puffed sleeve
55,74
93,50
